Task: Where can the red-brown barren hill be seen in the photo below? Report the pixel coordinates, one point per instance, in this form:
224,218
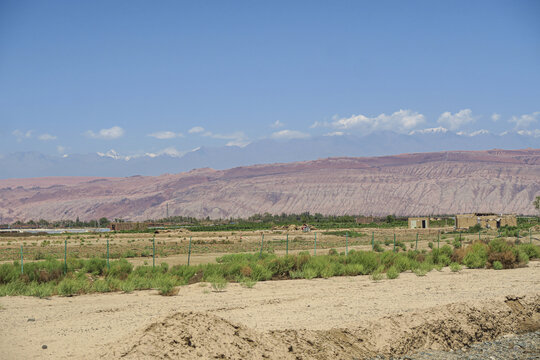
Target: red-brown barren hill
501,181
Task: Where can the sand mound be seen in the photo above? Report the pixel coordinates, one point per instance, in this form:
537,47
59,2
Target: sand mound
202,335
196,335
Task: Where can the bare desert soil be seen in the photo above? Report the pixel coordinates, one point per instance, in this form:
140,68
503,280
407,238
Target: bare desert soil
342,317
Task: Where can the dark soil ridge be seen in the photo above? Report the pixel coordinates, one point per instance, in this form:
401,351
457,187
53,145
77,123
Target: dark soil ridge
198,335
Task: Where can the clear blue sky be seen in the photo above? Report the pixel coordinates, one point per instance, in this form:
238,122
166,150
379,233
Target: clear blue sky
136,76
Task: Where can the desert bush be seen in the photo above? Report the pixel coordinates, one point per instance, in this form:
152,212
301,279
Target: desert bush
455,267
474,260
369,260
184,272
95,266
497,265
378,274
499,246
392,273
9,272
260,273
458,255
295,274
309,273
532,251
423,269
430,245
120,269
377,247
354,269
523,257
166,286
402,263
127,286
248,283
280,267
100,286
42,290
508,259
218,283
447,251
70,287
476,256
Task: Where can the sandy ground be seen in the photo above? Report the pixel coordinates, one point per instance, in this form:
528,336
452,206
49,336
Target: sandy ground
75,327
90,325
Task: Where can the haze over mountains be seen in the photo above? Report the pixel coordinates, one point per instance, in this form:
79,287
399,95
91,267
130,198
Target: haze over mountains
266,151
499,181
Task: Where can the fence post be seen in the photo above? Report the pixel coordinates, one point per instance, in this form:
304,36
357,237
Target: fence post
154,251
22,261
372,240
287,248
315,249
108,264
189,251
65,256
438,238
262,244
530,236
517,231
394,249
479,236
346,243
416,241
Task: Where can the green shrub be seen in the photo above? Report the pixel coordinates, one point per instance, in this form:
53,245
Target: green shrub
248,283
309,273
40,290
377,247
455,267
95,266
120,269
369,260
218,283
447,251
166,286
423,269
430,245
532,251
184,272
523,257
9,273
295,274
392,273
499,245
378,274
127,286
260,273
353,269
100,286
70,287
476,256
497,265
474,260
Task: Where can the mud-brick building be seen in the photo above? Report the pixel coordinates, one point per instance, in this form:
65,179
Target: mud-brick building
126,226
418,223
486,221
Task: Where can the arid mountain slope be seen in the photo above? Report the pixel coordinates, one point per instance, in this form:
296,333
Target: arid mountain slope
412,184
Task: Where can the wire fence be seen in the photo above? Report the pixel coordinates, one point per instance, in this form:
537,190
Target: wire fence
284,244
